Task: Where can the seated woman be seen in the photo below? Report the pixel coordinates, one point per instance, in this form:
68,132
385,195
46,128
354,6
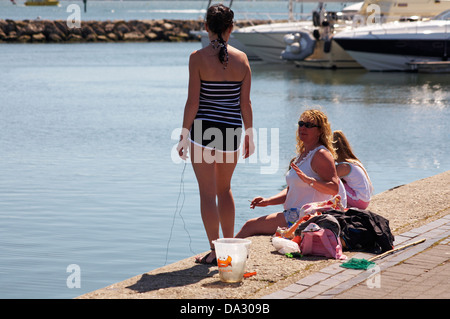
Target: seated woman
351,171
312,177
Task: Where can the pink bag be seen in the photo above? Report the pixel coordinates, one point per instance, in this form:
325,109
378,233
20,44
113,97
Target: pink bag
322,242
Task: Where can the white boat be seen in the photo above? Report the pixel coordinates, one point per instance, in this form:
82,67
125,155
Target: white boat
399,46
315,48
329,54
398,10
267,40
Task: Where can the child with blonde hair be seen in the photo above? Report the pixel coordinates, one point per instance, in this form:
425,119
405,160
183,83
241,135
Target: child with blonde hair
351,171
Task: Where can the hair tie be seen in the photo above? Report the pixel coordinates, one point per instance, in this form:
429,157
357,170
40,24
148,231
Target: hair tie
223,54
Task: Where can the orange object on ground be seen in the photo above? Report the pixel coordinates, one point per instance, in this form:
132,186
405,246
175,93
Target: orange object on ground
249,274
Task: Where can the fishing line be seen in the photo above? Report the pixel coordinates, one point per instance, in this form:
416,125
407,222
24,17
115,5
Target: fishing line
181,193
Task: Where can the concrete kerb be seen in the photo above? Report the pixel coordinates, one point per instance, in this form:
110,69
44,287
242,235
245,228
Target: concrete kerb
333,280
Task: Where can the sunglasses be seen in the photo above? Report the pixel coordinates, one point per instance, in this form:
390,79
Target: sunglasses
307,124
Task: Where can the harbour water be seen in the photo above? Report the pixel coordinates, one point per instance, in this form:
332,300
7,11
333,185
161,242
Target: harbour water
152,9
88,176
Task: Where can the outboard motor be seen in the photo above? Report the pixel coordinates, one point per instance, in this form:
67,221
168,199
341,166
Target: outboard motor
298,46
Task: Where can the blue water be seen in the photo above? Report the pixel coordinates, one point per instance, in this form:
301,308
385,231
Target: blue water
150,9
87,175
87,172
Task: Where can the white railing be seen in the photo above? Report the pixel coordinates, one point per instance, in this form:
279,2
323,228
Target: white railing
274,16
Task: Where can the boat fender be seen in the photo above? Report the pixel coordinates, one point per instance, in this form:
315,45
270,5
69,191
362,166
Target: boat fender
289,39
327,46
295,48
298,46
316,18
316,34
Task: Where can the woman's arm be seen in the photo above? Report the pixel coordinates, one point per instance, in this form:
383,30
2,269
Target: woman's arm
280,198
246,111
343,169
192,102
323,164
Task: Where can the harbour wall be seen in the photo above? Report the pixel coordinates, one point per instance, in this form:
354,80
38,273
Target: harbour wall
49,31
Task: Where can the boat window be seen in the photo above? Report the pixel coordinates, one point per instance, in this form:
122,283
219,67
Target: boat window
443,15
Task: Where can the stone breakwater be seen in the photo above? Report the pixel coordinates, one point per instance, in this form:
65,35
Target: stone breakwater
49,31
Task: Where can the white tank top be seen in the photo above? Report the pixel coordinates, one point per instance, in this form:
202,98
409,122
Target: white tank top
300,193
357,180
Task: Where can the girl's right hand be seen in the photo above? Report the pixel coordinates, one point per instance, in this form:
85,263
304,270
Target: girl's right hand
249,146
182,147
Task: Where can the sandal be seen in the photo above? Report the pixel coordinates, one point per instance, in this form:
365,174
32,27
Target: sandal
204,258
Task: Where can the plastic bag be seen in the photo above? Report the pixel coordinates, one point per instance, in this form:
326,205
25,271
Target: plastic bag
284,246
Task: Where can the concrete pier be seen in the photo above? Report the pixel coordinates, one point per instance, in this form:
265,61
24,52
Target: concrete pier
419,208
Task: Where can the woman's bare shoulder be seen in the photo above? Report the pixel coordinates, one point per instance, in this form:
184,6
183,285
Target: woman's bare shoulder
195,54
323,155
237,53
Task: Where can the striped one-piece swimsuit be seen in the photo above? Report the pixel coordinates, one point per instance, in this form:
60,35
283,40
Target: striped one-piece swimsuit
218,123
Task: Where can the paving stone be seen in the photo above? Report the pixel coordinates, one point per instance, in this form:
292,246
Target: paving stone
333,269
281,294
296,288
313,279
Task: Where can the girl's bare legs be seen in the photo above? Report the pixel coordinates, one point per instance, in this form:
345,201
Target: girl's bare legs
214,172
225,200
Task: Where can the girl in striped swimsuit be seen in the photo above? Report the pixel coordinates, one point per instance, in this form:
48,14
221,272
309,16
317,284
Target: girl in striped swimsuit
217,106
218,123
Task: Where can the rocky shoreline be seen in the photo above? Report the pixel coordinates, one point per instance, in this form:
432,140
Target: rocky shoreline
48,31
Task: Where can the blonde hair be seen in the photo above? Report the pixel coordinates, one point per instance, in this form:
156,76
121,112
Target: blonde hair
345,152
343,149
325,138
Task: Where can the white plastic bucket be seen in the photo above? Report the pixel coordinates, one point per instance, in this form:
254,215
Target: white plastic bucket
231,255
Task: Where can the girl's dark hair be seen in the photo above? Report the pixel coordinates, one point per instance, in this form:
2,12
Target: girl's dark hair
218,19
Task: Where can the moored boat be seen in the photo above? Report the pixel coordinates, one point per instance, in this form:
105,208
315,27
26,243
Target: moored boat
399,46
329,54
267,40
315,47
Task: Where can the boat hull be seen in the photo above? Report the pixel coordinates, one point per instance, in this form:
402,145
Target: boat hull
267,41
336,58
394,54
268,45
